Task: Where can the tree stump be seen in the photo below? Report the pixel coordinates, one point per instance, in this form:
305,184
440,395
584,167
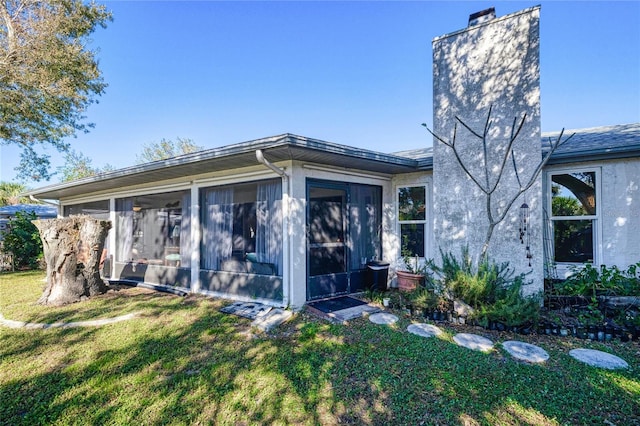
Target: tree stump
72,249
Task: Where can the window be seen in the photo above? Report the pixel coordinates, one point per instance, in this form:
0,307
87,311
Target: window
574,215
412,219
242,228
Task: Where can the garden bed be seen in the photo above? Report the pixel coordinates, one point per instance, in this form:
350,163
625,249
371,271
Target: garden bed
561,316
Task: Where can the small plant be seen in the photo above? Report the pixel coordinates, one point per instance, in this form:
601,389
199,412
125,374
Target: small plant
592,315
423,299
398,299
374,295
514,309
476,286
411,261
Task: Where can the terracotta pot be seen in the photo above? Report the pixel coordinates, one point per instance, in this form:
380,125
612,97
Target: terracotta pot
408,281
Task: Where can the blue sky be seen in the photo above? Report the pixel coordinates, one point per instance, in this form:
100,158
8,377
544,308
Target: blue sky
355,73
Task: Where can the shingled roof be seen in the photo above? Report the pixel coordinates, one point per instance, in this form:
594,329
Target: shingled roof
596,143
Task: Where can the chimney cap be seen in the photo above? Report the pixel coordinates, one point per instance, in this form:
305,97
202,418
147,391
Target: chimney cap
482,16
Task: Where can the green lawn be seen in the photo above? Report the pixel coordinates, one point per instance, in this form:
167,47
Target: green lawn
182,362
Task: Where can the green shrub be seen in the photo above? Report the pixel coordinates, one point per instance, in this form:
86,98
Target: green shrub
513,309
588,280
22,241
476,286
492,289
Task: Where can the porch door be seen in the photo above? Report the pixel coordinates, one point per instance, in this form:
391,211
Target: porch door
327,263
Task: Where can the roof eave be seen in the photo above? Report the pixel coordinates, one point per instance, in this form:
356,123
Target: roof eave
594,155
277,148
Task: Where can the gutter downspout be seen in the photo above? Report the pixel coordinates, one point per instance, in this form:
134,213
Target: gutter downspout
286,223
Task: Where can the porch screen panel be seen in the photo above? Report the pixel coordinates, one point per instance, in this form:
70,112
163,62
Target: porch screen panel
217,238
184,231
97,210
269,224
124,229
365,211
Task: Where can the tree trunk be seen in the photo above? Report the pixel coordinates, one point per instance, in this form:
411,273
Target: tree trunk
73,249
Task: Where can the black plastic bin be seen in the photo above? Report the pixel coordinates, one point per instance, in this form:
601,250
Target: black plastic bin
376,275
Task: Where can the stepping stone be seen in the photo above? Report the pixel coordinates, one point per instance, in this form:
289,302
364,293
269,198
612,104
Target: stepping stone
344,315
248,310
271,319
424,330
473,341
383,318
525,351
599,359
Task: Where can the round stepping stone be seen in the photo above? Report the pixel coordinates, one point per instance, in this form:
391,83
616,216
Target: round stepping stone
383,318
525,351
599,359
473,341
424,330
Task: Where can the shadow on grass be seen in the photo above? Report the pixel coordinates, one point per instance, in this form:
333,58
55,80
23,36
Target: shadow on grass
183,362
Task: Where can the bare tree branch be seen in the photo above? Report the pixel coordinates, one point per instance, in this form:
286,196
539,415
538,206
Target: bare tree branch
508,150
489,189
458,158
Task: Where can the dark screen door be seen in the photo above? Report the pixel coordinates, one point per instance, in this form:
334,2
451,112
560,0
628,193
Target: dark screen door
327,266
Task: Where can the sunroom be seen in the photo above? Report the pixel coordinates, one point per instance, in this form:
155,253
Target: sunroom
281,220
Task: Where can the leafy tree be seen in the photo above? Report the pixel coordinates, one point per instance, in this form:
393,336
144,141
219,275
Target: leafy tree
10,194
78,166
48,76
22,240
566,206
166,148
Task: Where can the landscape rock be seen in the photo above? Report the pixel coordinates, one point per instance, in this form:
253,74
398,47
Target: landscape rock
462,309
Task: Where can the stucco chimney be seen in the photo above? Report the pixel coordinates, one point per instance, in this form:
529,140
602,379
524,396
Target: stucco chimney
492,65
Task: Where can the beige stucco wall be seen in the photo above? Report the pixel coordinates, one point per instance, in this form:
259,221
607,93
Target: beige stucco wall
621,212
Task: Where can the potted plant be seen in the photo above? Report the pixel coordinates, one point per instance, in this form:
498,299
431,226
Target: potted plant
410,279
413,275
443,308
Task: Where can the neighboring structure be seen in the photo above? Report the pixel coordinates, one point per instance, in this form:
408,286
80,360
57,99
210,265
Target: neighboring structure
9,212
41,211
288,219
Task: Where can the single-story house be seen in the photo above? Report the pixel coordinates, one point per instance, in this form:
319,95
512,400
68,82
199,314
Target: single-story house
289,219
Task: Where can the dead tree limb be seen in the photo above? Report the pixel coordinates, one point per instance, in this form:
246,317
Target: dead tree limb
494,216
72,249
